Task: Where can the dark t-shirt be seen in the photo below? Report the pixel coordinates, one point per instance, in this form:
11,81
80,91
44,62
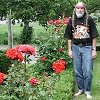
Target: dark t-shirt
82,33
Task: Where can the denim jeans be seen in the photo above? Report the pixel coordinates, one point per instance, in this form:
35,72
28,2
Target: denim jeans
83,66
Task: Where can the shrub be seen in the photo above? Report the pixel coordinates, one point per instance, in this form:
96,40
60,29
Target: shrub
64,85
26,35
17,84
16,39
5,62
3,38
52,47
39,81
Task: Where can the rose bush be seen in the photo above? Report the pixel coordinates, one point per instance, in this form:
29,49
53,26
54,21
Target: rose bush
53,47
51,77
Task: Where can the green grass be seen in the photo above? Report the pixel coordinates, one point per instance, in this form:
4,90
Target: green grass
16,29
38,30
98,28
96,78
95,83
3,28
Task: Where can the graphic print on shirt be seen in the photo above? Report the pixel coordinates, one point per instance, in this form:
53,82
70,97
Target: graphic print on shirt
81,32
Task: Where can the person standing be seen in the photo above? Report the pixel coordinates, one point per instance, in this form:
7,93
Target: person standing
81,33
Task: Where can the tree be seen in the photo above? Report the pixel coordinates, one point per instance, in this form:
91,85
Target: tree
5,11
18,9
92,5
41,10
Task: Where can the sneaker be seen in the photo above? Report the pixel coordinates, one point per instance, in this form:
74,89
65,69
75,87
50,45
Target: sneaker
88,95
79,93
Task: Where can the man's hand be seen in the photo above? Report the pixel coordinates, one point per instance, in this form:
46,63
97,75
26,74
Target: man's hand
94,54
70,53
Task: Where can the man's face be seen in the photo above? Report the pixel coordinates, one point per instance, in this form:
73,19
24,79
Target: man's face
79,11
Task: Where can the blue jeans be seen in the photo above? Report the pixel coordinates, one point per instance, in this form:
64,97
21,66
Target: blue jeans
83,66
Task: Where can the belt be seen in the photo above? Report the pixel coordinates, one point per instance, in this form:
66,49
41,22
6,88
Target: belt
83,44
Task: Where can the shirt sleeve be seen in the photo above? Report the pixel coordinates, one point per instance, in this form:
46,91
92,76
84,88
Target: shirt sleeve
68,31
92,28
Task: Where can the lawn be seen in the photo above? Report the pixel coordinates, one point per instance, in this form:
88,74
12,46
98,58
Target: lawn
38,30
95,82
16,29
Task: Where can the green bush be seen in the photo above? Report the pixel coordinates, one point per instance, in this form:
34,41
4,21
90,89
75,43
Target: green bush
4,38
16,39
26,35
51,55
49,47
5,62
64,85
53,87
17,84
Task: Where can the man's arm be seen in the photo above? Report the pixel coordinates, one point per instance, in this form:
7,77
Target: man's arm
70,48
94,53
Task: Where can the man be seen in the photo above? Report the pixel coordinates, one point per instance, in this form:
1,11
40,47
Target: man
81,33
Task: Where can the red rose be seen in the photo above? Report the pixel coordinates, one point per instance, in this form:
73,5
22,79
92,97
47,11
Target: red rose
33,81
61,61
60,49
14,54
66,20
26,49
57,22
58,66
50,22
2,75
43,58
56,29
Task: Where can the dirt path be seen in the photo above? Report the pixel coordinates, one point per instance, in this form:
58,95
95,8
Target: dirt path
3,47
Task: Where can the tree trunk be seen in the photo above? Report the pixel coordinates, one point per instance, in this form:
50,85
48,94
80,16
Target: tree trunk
26,25
10,35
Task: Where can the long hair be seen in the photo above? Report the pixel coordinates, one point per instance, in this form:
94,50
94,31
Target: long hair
74,17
